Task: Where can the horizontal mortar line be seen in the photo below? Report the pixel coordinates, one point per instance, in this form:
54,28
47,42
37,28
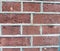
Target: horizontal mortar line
31,12
28,46
26,24
28,35
35,1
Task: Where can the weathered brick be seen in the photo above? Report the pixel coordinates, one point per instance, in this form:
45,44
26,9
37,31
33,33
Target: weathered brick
46,18
44,41
51,29
10,30
31,49
15,41
50,49
31,30
11,49
14,18
11,6
50,7
31,7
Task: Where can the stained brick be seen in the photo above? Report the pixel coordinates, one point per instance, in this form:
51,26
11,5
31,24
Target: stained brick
10,30
51,29
42,41
14,41
11,6
14,18
31,30
51,7
50,49
46,18
31,49
11,49
31,7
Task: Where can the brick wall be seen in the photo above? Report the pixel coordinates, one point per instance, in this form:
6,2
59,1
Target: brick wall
29,25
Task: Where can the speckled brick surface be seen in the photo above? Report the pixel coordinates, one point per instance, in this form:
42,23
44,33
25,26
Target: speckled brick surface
29,25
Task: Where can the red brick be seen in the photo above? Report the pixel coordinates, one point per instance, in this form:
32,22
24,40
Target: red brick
31,7
10,30
46,18
44,41
11,49
14,18
51,29
51,7
50,49
31,49
31,30
15,41
11,6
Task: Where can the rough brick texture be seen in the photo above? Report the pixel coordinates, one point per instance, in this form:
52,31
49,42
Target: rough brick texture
31,30
11,30
51,7
30,25
31,7
14,18
46,18
44,41
50,49
51,29
17,41
11,49
11,6
31,49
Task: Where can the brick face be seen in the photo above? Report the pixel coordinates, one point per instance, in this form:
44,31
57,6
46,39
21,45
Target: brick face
27,30
14,41
31,7
11,6
11,30
50,49
31,49
44,41
11,49
51,7
51,29
46,18
14,18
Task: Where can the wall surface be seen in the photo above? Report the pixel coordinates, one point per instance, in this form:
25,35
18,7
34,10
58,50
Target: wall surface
29,25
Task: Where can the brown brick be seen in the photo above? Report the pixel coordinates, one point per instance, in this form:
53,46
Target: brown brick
51,29
15,41
11,6
46,18
50,49
42,41
31,49
31,7
10,30
51,7
27,30
14,18
11,49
